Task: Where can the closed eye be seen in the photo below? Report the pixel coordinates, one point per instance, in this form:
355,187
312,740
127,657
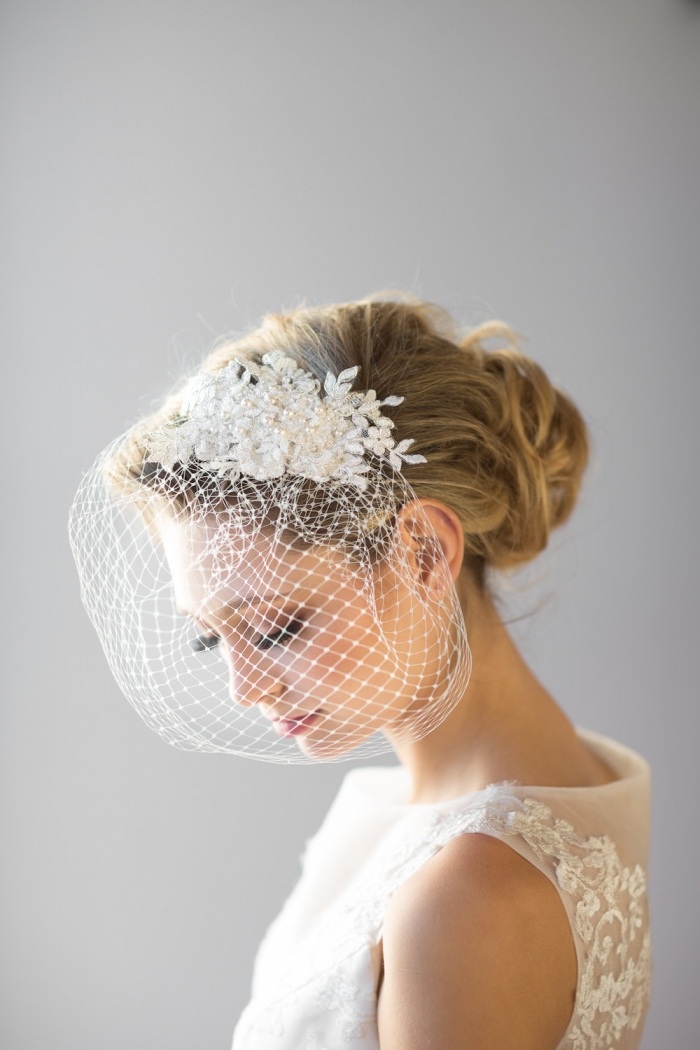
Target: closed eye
266,641
205,641
281,637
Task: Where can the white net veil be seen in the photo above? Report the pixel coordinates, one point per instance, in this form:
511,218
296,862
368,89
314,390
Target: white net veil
262,578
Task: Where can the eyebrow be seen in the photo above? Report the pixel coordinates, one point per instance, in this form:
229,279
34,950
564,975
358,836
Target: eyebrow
241,603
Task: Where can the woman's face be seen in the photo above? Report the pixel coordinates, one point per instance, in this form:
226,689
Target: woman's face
300,636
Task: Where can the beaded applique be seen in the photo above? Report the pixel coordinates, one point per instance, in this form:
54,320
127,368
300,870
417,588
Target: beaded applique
268,420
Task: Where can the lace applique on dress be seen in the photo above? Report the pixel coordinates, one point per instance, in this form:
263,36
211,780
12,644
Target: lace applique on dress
611,909
331,968
611,918
344,997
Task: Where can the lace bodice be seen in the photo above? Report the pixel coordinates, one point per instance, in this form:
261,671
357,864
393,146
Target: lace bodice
316,972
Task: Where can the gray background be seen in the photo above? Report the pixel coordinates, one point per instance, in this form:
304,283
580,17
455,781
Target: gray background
173,170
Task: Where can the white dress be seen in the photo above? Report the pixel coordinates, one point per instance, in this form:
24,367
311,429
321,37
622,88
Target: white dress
316,971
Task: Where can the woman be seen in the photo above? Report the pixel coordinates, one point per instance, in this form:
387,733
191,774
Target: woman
490,890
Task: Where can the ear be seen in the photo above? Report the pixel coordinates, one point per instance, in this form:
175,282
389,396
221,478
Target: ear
434,540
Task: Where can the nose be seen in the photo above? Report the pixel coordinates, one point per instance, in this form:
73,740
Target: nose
253,677
254,687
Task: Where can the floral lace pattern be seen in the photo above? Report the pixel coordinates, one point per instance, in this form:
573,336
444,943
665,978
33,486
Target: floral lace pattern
611,918
605,900
270,419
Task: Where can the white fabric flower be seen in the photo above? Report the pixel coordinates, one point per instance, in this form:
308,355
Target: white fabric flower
271,419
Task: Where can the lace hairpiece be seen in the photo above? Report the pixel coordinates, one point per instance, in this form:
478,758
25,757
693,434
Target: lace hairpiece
245,570
268,420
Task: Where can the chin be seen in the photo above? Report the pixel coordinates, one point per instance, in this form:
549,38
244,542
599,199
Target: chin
332,744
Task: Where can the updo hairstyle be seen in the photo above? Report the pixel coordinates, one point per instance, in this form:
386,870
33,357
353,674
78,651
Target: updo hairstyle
505,447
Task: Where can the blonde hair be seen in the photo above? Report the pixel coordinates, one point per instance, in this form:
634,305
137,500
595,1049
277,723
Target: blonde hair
505,447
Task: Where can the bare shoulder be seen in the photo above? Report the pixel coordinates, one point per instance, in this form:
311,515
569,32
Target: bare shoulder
478,952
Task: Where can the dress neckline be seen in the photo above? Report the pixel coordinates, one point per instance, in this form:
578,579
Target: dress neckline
390,786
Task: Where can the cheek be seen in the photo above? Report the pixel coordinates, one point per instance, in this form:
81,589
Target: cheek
342,646
357,675
241,658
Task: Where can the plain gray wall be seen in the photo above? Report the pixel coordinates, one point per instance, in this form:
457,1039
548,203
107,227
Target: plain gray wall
171,171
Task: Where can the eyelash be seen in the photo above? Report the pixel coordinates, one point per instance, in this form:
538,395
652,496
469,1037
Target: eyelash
265,641
281,637
205,641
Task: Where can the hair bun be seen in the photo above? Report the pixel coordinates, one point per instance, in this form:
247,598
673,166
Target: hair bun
539,449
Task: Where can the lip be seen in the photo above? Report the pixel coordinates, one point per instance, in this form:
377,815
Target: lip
295,726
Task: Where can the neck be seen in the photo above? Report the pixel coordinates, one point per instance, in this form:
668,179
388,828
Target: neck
504,727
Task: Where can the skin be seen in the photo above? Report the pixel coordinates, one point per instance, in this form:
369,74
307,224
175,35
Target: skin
339,665
515,984
477,950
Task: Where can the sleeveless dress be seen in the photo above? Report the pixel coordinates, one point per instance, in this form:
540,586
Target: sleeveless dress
316,970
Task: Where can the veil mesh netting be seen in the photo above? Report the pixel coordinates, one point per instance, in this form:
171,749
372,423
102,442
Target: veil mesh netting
261,576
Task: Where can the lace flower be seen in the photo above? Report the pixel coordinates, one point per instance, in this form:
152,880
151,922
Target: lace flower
271,419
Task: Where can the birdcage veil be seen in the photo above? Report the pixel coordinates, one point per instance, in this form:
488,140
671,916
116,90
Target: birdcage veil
262,578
